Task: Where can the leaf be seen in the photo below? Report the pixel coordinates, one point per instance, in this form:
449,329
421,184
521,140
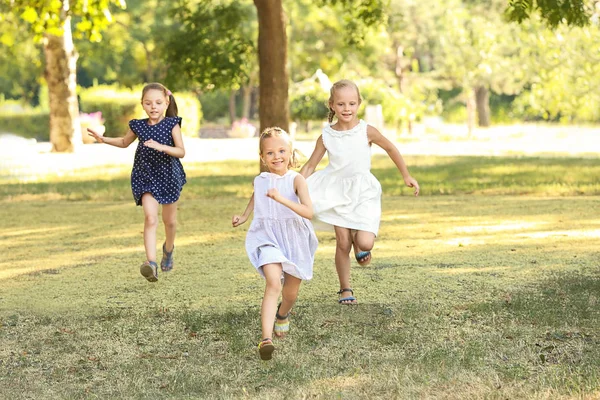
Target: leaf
29,15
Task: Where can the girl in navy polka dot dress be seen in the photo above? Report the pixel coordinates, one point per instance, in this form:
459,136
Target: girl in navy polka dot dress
157,176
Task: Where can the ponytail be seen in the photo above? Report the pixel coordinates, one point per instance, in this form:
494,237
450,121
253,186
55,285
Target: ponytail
172,109
330,115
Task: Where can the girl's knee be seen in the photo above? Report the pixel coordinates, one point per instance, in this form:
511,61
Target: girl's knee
364,240
151,220
273,285
170,223
344,246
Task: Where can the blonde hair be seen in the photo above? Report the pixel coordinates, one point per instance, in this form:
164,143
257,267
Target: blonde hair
344,83
276,131
172,108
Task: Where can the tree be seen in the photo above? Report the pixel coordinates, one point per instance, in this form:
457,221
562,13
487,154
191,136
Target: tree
213,47
51,23
565,73
20,61
570,12
359,16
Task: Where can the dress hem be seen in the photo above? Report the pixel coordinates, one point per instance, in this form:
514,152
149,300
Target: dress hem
347,226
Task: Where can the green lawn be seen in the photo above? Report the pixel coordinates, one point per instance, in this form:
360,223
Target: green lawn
486,286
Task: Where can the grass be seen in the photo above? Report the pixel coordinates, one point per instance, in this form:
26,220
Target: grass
490,290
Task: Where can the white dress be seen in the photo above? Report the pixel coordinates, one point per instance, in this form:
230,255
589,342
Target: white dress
277,234
345,193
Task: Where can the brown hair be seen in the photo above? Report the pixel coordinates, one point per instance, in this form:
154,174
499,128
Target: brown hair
172,108
276,131
344,83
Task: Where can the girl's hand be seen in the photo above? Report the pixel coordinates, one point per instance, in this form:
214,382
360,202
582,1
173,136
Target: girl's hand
153,145
412,182
238,220
274,194
99,138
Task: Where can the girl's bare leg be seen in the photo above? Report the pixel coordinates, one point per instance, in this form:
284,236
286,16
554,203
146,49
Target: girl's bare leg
291,287
169,216
269,303
150,206
343,246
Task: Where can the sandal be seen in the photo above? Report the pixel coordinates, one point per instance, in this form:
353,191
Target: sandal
149,270
166,264
361,257
281,328
350,300
265,349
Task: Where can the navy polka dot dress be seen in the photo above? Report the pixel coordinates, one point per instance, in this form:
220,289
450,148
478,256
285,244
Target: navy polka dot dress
153,171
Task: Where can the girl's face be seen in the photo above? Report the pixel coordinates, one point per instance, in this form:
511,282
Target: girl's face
155,104
276,153
345,104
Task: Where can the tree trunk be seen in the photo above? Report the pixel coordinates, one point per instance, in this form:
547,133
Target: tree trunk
401,65
247,91
482,98
273,106
61,59
471,111
232,107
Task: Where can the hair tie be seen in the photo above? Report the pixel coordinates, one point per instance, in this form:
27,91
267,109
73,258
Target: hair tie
169,92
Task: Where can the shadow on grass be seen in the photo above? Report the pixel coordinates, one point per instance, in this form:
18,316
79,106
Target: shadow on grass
542,339
436,175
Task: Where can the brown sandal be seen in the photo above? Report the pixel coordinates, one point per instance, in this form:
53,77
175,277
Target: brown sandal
265,349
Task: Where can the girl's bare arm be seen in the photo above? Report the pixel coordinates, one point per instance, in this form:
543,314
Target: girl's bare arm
121,142
315,158
238,220
304,208
376,137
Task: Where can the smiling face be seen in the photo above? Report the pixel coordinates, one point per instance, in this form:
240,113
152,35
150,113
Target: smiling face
345,104
155,104
276,152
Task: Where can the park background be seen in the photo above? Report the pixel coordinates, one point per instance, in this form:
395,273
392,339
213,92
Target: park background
486,286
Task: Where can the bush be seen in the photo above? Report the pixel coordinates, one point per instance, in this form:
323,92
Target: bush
215,105
118,106
190,110
397,108
308,102
29,124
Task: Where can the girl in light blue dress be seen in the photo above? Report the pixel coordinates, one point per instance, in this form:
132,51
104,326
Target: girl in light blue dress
281,242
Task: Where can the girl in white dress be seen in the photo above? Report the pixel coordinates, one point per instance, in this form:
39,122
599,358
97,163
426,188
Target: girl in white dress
281,242
345,194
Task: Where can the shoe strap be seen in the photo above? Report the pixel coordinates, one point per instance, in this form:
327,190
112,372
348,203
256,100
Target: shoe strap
280,316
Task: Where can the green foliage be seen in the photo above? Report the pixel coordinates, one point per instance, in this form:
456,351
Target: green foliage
215,104
119,105
359,17
308,101
397,109
564,75
212,45
47,17
29,124
554,13
20,60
